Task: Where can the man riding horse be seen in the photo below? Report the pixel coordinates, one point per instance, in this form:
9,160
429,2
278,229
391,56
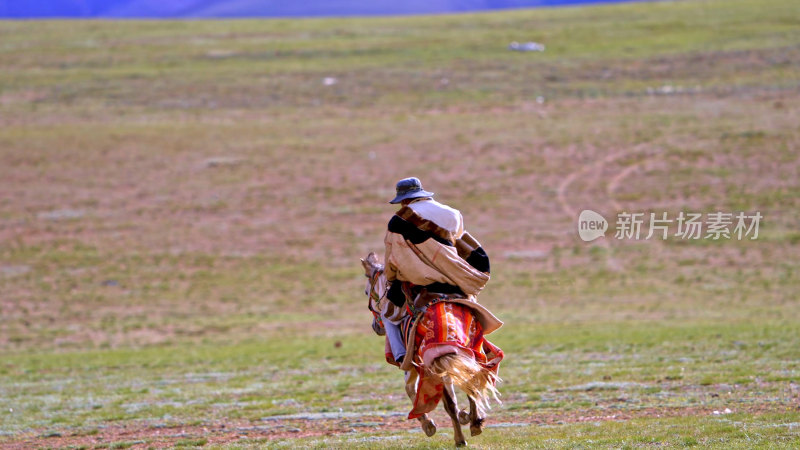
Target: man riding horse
435,270
431,265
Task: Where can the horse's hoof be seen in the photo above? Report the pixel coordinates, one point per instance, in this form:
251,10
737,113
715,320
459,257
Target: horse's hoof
429,428
461,443
476,427
463,417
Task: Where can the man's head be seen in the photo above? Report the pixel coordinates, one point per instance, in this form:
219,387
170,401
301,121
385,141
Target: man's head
409,189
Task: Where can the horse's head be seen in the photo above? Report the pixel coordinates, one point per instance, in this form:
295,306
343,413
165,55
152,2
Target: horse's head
375,289
371,265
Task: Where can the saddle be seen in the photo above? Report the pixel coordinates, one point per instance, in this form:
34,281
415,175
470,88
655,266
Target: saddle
426,298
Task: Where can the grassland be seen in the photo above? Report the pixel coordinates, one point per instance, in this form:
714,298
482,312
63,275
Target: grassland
183,206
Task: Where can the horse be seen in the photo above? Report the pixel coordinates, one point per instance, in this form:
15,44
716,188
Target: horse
471,365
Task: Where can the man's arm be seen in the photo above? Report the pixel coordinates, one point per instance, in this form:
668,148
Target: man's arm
388,268
395,292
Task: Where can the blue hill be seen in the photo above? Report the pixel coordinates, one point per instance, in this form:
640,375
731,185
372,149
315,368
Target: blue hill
255,8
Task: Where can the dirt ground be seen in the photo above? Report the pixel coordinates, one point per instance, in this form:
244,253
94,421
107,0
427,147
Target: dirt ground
159,436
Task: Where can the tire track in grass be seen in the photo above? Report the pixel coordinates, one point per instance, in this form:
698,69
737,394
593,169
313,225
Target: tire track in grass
617,179
612,263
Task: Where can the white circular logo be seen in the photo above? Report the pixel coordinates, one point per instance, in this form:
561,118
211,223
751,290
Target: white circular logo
591,225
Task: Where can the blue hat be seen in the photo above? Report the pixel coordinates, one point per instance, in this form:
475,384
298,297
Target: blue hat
410,188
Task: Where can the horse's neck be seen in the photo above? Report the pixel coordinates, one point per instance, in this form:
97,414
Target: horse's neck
379,287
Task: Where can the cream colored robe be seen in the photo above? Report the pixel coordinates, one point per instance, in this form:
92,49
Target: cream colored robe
421,252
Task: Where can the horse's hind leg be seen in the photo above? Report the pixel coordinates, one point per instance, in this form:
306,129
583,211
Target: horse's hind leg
427,424
475,419
452,410
462,415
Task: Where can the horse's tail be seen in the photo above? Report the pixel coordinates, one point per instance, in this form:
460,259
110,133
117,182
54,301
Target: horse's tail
477,381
